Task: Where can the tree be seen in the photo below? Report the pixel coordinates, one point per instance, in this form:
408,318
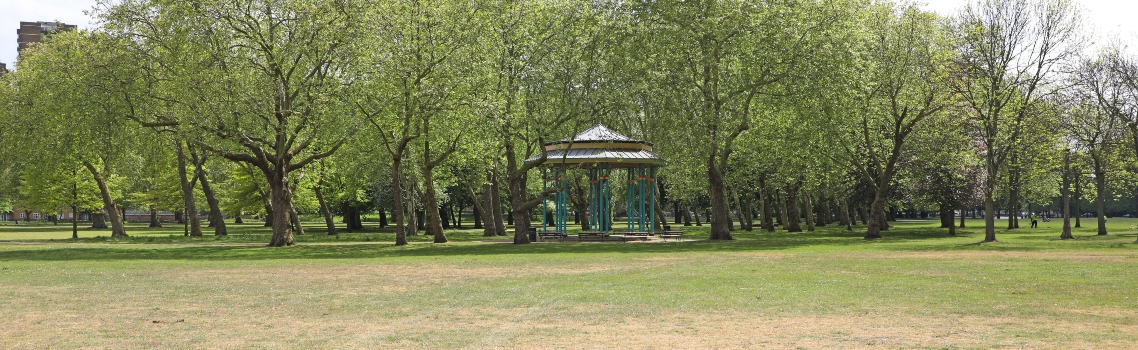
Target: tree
1007,49
71,90
60,184
714,58
418,72
903,59
261,82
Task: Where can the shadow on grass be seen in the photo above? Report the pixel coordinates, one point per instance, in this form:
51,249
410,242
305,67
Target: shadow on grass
746,241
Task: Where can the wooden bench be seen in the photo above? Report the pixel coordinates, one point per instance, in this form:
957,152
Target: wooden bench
643,236
591,235
560,236
671,234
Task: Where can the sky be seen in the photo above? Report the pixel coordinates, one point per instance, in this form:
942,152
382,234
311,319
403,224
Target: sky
1104,19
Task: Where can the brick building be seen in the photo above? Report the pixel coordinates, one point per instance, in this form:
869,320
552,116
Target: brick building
34,32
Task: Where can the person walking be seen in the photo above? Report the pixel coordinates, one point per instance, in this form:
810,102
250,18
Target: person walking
1034,221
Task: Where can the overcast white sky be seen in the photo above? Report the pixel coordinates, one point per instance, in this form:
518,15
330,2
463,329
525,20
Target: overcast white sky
1107,18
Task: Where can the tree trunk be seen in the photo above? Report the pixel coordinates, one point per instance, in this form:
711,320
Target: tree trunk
679,217
98,221
826,216
178,217
765,215
237,218
748,219
188,192
989,217
294,218
496,205
962,210
1078,198
1066,191
844,215
808,203
154,222
738,209
877,219
216,217
687,213
281,195
783,216
117,227
397,198
792,214
950,213
434,222
1100,199
328,221
74,222
720,214
695,212
268,210
477,208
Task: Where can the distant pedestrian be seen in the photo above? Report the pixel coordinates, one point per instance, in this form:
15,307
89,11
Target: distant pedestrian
1034,221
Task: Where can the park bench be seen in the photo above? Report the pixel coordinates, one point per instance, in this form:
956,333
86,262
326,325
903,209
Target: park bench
560,236
591,235
671,234
643,236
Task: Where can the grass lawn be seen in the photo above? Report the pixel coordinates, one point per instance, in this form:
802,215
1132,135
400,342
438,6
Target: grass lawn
916,288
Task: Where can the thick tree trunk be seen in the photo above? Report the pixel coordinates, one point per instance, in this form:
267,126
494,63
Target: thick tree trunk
945,217
687,213
397,198
216,217
237,218
877,219
477,213
98,221
989,217
281,205
434,222
496,205
382,218
118,229
179,218
792,214
720,213
489,221
863,216
329,223
962,210
154,222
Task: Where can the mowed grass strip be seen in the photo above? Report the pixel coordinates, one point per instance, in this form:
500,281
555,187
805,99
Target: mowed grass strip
917,288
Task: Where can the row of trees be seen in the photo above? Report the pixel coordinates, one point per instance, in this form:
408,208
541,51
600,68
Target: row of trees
780,111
